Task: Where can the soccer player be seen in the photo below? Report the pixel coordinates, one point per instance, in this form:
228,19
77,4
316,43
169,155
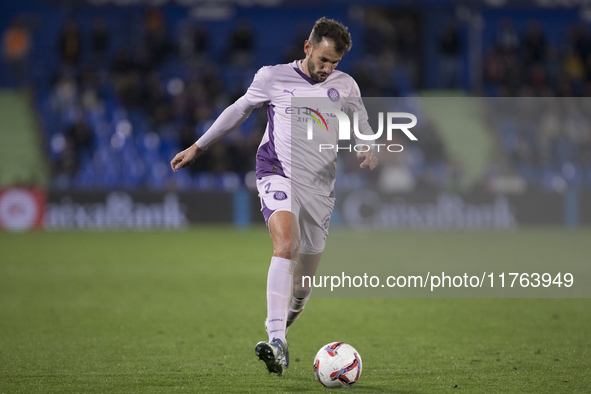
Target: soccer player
296,208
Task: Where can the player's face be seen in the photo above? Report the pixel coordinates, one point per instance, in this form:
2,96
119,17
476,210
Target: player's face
322,59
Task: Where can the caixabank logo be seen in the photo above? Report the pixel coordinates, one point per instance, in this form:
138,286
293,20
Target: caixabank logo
392,120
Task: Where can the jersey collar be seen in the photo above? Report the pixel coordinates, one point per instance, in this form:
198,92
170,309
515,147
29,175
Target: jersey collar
302,74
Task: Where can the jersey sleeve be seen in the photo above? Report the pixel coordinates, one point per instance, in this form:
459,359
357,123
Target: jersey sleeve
354,104
237,113
257,93
227,122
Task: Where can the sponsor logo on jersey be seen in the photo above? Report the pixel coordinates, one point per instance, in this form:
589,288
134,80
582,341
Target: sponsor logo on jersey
316,119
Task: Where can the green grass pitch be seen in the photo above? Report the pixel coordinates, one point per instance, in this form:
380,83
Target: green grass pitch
159,312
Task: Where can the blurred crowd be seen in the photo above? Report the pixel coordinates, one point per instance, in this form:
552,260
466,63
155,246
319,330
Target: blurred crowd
547,140
129,113
526,65
115,115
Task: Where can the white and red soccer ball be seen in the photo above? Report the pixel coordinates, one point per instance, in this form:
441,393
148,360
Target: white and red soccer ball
337,365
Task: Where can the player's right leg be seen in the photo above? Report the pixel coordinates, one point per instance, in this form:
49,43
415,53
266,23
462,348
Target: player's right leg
275,193
284,229
274,353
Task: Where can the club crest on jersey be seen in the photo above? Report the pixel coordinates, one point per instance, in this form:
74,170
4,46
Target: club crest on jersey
333,94
280,196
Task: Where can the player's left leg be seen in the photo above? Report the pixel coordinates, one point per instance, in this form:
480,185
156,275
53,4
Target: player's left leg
314,221
306,267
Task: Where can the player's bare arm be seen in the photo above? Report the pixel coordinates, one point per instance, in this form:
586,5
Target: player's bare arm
186,157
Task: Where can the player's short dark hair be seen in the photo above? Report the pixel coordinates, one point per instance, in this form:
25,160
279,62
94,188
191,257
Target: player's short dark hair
333,30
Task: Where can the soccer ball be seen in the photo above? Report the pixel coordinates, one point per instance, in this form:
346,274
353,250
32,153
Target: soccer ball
337,365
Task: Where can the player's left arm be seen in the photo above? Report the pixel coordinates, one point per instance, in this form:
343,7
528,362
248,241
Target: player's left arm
354,104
